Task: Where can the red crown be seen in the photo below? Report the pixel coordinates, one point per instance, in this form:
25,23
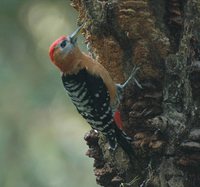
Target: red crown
53,45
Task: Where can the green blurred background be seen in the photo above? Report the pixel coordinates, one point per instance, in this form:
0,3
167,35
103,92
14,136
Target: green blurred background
41,134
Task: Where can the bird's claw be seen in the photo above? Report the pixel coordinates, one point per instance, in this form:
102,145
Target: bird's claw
132,75
138,84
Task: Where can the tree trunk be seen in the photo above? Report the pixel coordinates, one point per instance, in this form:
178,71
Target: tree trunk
162,38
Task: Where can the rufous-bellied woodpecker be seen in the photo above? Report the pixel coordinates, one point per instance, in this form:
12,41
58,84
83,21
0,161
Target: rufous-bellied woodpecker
91,89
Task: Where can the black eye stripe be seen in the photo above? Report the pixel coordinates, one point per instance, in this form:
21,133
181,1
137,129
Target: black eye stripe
63,44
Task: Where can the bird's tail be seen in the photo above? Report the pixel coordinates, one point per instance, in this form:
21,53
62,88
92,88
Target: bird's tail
124,141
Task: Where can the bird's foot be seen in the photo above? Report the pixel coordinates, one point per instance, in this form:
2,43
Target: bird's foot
132,76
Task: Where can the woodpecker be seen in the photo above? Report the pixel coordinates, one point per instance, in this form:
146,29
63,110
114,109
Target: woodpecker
90,88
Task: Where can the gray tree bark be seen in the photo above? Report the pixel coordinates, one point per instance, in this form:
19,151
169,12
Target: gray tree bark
162,37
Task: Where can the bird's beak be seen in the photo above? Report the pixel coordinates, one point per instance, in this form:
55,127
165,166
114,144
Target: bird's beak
73,37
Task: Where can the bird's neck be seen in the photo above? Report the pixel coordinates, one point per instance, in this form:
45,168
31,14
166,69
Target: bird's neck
74,64
79,61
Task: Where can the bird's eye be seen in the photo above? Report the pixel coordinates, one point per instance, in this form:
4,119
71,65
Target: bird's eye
63,44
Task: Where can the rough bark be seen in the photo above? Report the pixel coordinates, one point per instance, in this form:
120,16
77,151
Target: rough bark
162,38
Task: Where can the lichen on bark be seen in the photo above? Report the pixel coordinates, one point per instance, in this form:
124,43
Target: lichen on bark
162,38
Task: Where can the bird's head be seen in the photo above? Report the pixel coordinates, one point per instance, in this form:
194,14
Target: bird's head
64,51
